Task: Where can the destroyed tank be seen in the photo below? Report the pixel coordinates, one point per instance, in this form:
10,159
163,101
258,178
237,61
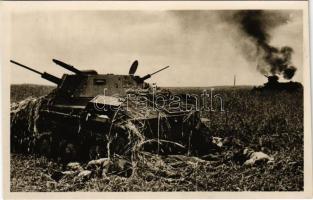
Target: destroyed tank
273,85
91,115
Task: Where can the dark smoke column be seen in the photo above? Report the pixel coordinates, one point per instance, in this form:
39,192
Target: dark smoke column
256,24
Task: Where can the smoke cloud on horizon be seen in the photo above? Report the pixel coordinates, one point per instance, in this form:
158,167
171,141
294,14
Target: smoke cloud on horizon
254,27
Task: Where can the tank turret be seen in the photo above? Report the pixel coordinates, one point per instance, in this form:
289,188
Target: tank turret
272,79
78,88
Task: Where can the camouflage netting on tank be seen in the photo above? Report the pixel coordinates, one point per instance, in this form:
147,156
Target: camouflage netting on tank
125,135
25,119
130,133
23,122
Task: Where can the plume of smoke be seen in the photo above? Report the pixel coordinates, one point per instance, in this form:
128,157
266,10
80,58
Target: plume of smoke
255,25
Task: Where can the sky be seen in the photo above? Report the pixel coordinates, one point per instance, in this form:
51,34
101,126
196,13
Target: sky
201,47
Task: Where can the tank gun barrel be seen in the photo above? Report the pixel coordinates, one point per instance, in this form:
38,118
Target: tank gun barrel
160,70
44,75
149,75
21,65
67,66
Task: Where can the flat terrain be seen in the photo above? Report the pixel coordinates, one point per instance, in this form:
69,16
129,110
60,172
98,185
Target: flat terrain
268,122
22,91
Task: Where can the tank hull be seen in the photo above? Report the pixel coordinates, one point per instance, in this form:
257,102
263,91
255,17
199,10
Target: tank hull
80,132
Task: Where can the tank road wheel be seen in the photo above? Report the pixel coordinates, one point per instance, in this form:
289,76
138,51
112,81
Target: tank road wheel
69,153
97,151
44,145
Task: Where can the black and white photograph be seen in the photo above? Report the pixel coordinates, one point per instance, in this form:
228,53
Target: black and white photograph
158,100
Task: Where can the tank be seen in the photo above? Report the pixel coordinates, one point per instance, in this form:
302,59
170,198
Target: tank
91,115
273,85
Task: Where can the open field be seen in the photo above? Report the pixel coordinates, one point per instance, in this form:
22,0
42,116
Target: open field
268,122
22,91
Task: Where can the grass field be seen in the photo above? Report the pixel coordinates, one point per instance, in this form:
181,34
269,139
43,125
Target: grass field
268,122
22,91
